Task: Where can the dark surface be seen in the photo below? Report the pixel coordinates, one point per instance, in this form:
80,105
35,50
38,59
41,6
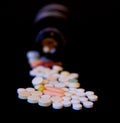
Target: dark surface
87,53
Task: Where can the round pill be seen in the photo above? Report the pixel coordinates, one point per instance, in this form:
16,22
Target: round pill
77,106
35,73
88,104
37,86
37,80
23,95
20,90
32,55
44,102
93,97
57,68
32,73
33,99
57,105
66,103
29,89
46,49
83,99
79,90
74,85
65,73
73,75
89,93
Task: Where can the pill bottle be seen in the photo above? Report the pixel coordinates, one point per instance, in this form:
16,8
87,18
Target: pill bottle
51,29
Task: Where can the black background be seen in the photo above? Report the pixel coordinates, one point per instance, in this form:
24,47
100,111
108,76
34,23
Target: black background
89,54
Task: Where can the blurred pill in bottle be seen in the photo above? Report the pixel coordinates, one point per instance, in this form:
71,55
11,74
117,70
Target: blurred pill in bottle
51,29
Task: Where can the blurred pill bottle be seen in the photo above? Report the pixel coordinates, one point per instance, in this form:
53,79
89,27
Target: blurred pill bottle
51,29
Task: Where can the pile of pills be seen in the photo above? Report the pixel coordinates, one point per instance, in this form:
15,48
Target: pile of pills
56,87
